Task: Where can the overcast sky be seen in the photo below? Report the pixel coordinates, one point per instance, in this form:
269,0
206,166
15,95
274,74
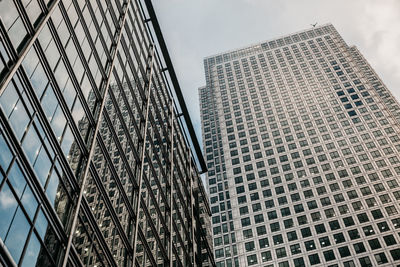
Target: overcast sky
194,29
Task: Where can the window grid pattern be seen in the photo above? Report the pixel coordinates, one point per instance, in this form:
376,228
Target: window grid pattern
308,148
95,164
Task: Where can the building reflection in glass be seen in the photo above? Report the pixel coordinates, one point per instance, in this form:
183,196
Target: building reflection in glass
95,166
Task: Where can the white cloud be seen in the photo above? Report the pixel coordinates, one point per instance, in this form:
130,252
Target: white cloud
7,201
196,29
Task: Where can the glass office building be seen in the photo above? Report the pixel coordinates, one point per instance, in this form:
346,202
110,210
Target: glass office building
301,139
96,165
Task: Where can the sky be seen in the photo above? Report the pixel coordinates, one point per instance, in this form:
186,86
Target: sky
195,29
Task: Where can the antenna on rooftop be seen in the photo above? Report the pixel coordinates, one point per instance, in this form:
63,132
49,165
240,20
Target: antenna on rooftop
315,24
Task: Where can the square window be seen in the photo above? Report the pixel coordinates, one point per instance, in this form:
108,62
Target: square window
381,258
349,264
324,241
275,227
314,259
252,259
363,217
344,251
395,254
329,255
310,245
383,227
396,223
354,234
359,247
288,223
348,221
292,236
280,253
368,230
299,262
266,256
339,238
374,243
249,246
320,228
277,239
295,249
261,230
306,232
365,262
389,240
334,225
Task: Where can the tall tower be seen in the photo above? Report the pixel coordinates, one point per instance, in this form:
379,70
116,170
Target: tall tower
301,140
96,168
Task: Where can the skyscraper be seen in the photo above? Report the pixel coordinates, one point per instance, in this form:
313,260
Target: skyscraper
96,165
301,139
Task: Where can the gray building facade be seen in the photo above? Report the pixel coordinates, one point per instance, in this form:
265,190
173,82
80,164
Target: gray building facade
301,139
96,168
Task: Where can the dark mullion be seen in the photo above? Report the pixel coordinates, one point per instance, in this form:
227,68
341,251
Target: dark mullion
161,96
180,238
69,68
92,46
31,177
157,111
103,69
85,209
74,256
181,198
141,46
131,88
154,173
153,198
205,241
180,170
65,110
126,130
8,46
24,17
157,125
26,45
83,60
140,18
110,207
99,32
135,49
163,172
31,222
120,150
112,169
39,114
177,259
158,136
128,106
110,7
153,228
146,246
138,79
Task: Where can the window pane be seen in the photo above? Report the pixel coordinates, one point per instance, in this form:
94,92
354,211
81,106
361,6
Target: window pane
17,235
32,252
8,205
29,202
9,99
31,144
19,119
42,166
5,155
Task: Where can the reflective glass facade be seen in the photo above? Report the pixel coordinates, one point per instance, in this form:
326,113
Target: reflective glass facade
301,139
95,163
